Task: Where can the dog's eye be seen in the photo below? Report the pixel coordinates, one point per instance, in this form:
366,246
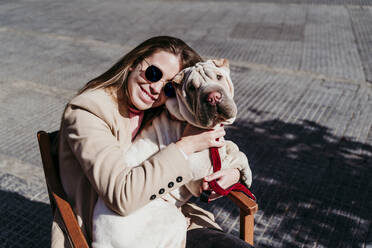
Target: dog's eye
219,77
191,87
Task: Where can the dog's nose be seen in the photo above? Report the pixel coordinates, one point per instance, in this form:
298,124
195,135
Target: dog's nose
214,97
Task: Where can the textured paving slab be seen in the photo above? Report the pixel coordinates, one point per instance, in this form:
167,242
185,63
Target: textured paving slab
48,63
334,56
284,36
302,72
25,111
362,27
24,222
25,214
317,2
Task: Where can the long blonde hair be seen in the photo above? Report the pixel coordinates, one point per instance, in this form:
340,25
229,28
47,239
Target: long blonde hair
117,75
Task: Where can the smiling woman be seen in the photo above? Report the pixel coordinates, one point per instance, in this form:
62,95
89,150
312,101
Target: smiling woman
98,126
144,93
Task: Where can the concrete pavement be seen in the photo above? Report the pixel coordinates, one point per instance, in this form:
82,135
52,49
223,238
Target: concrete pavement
303,77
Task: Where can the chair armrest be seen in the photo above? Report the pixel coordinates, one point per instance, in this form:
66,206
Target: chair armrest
244,202
248,208
69,220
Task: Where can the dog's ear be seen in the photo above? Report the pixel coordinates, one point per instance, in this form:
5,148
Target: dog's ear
178,78
221,62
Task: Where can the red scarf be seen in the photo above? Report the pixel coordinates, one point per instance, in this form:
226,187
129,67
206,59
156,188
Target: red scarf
135,117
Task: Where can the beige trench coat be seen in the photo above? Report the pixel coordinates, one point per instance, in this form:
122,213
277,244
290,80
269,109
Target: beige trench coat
94,136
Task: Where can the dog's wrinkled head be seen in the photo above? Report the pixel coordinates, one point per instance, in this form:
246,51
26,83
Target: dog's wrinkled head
204,94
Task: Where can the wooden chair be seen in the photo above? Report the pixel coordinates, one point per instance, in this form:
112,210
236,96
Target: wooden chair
58,199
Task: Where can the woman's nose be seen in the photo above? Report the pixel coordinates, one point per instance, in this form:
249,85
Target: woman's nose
156,87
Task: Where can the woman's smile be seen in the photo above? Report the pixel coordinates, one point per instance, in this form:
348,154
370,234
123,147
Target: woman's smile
146,96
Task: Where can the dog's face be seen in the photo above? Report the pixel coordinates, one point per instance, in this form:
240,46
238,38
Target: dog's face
207,93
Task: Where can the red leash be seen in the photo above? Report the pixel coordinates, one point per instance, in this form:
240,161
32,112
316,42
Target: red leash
216,161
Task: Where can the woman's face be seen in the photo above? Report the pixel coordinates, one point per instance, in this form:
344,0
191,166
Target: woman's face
144,94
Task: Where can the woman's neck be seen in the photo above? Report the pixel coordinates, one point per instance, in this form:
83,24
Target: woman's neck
134,110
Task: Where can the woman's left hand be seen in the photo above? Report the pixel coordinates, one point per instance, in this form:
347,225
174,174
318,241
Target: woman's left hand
225,178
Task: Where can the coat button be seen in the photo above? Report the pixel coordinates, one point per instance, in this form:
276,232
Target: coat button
161,191
179,179
152,197
170,185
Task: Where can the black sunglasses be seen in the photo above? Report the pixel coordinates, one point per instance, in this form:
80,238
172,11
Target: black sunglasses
169,90
154,74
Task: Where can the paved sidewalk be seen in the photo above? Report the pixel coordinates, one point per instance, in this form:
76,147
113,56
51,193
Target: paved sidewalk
303,77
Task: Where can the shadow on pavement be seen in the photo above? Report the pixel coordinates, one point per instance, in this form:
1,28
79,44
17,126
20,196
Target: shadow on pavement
313,188
24,223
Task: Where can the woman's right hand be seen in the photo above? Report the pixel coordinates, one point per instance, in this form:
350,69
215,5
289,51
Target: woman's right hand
195,139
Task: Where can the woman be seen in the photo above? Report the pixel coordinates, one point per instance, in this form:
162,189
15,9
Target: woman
99,124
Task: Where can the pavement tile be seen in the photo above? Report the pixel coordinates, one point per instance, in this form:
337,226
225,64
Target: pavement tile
330,56
24,112
25,223
361,19
304,2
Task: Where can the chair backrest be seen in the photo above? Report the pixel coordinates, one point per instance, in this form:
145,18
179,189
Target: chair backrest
58,200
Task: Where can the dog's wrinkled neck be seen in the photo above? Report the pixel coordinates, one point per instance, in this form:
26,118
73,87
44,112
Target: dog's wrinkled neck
172,117
172,107
178,111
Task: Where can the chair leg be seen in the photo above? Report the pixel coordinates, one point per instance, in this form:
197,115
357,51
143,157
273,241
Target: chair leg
246,227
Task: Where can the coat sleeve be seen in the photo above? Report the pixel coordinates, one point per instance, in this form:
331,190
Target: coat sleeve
237,159
124,189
